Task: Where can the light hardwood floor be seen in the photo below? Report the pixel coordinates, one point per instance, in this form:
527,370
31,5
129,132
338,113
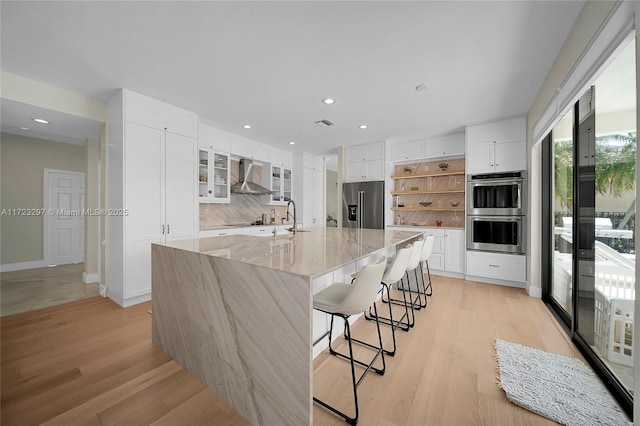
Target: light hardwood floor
31,289
91,362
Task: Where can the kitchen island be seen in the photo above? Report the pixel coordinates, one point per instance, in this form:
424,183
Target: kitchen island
236,311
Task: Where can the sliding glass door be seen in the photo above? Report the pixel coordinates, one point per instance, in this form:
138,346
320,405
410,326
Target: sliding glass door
590,176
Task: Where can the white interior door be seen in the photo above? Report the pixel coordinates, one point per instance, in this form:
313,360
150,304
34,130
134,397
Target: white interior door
64,228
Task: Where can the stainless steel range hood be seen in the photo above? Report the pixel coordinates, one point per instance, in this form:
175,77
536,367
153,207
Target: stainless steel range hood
246,185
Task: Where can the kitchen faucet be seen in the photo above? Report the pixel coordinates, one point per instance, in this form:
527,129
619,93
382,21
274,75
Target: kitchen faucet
295,223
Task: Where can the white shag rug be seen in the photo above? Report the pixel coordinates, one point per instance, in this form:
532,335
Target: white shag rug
558,387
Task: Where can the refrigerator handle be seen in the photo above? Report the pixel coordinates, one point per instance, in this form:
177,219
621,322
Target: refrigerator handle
361,209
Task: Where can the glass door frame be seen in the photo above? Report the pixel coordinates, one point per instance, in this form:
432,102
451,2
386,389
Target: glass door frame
568,321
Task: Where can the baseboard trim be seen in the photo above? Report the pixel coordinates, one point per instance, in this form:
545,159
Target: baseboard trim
534,291
90,278
10,267
103,290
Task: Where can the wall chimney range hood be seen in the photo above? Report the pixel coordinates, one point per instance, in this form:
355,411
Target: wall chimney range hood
246,185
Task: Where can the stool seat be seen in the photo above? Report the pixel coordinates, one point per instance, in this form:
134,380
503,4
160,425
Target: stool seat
331,299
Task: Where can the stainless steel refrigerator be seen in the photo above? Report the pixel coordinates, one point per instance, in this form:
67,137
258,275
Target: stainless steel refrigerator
363,205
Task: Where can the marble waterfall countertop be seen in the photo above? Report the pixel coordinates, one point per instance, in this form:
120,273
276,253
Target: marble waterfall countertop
236,312
310,253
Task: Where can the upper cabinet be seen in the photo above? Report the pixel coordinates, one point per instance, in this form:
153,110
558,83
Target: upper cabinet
213,165
153,113
209,137
364,162
369,151
442,146
248,148
497,147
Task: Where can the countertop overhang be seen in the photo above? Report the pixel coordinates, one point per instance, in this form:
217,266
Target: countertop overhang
312,253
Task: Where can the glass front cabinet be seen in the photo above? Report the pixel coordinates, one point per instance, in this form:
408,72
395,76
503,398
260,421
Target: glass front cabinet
280,184
213,168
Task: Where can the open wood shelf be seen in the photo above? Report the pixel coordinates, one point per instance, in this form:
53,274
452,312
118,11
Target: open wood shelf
424,175
444,191
434,209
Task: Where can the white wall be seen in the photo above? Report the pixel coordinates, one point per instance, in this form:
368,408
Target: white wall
591,17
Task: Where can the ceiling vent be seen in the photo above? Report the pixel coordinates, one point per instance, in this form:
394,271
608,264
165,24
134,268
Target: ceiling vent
324,123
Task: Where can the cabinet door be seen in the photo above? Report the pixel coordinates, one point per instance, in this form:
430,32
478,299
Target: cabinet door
453,249
407,151
370,151
219,185
209,137
373,170
354,172
317,208
144,170
444,146
480,158
159,115
180,187
510,156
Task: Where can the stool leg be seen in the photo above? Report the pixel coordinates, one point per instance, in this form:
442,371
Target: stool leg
429,287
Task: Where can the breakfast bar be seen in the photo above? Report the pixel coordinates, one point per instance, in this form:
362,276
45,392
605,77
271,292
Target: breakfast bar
236,311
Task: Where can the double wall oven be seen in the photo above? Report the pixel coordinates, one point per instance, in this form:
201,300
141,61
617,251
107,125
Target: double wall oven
496,206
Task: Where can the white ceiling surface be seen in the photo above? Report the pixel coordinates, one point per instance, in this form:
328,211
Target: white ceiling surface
270,63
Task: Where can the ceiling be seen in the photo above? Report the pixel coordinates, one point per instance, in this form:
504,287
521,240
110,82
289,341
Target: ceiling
269,64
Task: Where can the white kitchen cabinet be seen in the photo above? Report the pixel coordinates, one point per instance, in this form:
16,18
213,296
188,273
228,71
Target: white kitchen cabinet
496,156
365,152
280,182
221,232
213,176
281,158
364,171
153,181
248,148
448,252
159,115
364,162
513,129
308,192
403,151
506,267
212,138
497,147
444,146
454,248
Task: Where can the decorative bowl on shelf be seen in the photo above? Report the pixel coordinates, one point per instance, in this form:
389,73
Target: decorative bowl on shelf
454,203
425,203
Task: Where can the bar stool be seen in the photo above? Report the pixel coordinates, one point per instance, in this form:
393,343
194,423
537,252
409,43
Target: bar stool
424,258
412,265
394,273
343,300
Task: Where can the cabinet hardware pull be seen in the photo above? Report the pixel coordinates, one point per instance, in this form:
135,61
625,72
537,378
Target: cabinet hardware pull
163,229
494,266
168,229
222,233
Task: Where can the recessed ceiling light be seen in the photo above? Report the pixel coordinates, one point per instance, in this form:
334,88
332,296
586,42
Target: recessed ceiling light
328,101
23,128
422,86
362,126
292,143
40,120
246,126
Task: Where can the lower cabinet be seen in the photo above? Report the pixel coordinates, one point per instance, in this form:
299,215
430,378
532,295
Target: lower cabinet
506,267
448,252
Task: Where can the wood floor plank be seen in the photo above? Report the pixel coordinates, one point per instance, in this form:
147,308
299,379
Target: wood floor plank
92,363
